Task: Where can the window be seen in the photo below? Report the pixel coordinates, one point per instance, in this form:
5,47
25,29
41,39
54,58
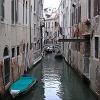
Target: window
14,11
56,23
34,28
60,30
63,4
17,50
27,47
23,47
47,34
52,24
35,46
26,12
96,7
79,14
34,5
76,15
6,52
39,45
72,19
89,9
96,46
13,52
48,24
2,9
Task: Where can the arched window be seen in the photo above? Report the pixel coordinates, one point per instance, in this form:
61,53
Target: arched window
6,52
13,52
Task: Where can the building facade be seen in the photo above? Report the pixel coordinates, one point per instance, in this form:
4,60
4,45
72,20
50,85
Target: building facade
49,31
20,38
52,27
84,24
64,20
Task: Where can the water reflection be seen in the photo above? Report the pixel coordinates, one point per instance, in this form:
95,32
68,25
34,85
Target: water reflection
61,83
51,81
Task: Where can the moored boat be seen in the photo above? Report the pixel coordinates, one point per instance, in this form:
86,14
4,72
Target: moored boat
22,85
58,55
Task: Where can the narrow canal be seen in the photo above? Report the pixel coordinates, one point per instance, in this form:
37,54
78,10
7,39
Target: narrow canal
57,81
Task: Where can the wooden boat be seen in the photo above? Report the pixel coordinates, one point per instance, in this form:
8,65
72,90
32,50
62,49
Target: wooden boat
58,55
22,85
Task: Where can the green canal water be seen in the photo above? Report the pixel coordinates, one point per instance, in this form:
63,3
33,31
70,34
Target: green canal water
57,81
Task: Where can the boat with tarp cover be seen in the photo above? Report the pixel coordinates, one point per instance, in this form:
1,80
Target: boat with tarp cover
22,85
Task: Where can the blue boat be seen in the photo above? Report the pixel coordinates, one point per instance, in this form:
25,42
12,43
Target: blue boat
22,85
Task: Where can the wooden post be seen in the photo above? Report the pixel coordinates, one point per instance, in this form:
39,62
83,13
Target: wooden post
12,74
2,76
